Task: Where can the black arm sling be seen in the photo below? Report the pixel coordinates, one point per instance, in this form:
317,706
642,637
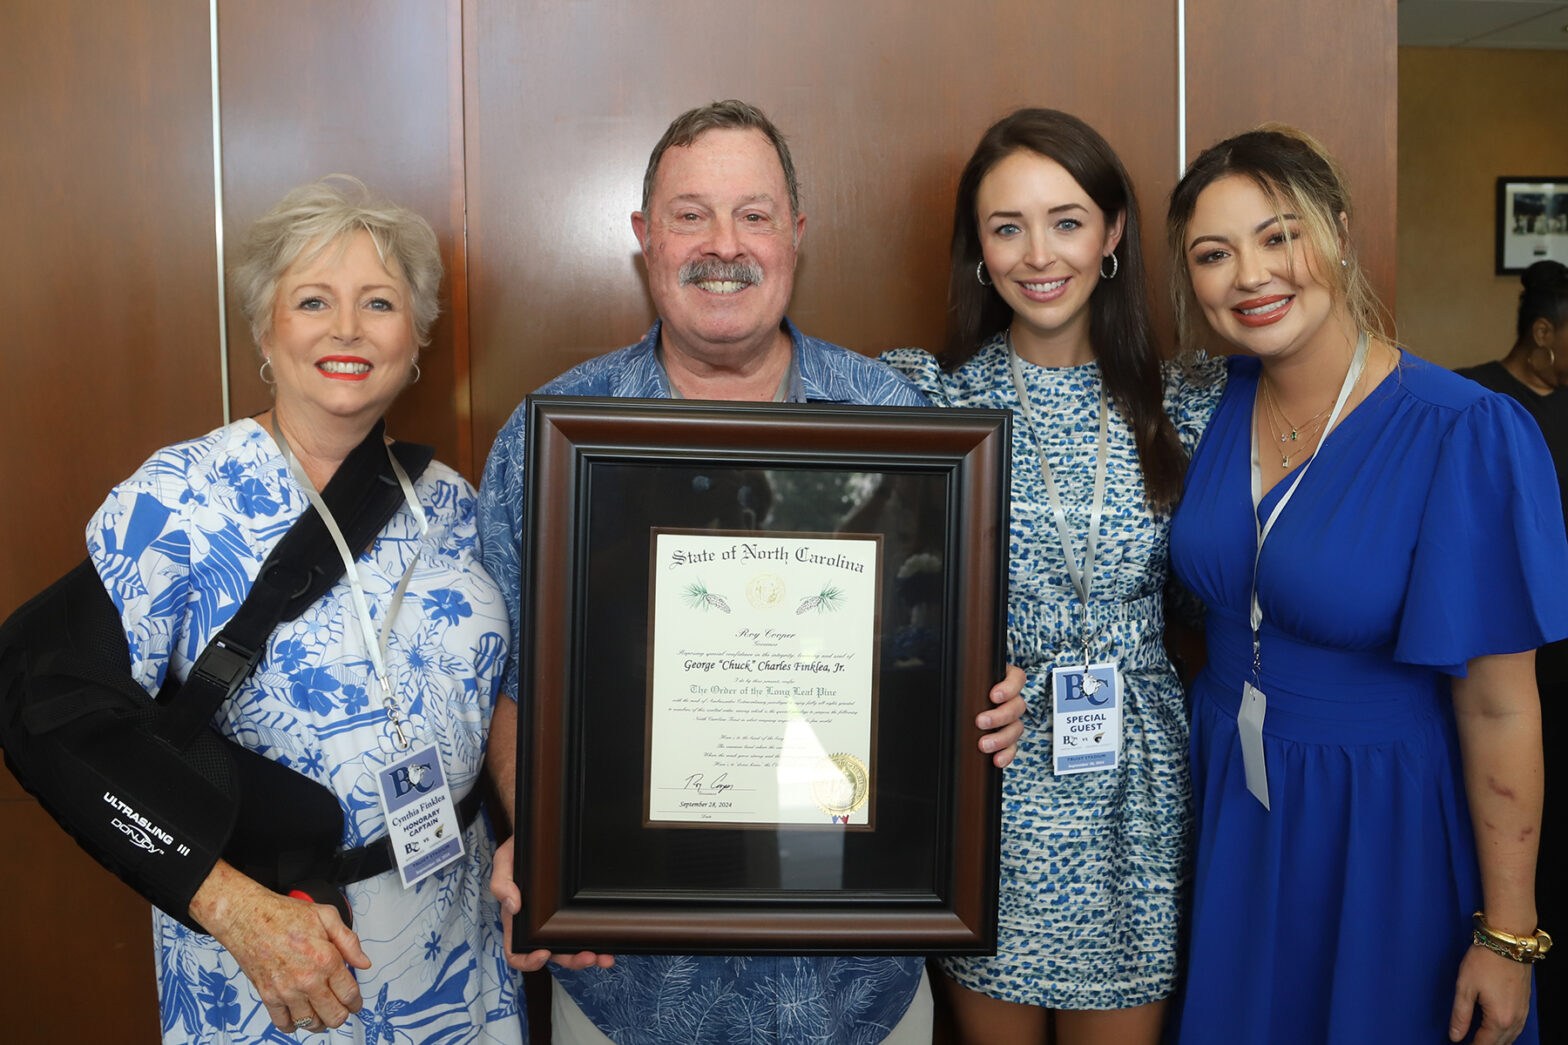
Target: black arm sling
147,786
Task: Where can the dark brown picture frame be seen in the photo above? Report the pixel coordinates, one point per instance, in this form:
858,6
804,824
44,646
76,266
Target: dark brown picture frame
600,472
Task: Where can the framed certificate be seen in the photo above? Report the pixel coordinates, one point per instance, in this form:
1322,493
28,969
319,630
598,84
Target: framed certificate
754,641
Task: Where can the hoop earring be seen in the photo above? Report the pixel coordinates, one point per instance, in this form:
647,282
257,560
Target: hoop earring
417,373
1116,266
980,273
266,378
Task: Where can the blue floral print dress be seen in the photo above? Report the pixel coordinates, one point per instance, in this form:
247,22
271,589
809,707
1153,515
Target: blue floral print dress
178,545
1093,865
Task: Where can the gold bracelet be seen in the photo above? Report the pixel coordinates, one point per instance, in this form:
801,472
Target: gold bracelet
1530,948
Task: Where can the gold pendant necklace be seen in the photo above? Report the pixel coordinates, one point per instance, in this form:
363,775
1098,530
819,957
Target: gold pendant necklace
1300,437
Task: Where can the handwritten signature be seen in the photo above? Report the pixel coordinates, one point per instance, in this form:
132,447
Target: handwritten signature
697,782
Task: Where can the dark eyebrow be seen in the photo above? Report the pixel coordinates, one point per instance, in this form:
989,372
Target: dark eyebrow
1272,221
1259,227
1059,208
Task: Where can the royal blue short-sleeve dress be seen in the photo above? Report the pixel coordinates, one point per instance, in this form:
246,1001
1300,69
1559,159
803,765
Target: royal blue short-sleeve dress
1427,532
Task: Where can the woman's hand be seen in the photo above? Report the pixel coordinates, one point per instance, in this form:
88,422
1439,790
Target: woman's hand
504,889
296,954
1005,721
1501,987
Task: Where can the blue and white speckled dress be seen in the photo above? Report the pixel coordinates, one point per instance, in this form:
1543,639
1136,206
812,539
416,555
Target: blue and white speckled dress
1093,865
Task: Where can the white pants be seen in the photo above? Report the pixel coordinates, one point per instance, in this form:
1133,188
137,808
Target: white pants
569,1026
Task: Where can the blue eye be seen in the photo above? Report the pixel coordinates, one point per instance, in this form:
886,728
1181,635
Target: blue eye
1069,224
1008,229
380,305
312,304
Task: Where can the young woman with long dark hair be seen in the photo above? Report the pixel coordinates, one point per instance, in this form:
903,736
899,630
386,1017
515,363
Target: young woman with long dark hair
1049,318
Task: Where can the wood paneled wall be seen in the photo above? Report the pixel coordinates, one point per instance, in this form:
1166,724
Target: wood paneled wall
1330,69
882,106
363,87
520,130
108,289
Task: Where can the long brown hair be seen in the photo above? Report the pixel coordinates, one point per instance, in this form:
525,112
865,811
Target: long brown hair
1119,325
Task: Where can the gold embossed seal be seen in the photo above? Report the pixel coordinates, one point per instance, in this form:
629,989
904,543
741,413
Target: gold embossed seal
843,786
765,591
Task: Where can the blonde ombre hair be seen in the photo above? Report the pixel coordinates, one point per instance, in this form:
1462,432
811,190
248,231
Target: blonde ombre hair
1297,176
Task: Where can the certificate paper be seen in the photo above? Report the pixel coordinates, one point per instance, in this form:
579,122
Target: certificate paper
762,686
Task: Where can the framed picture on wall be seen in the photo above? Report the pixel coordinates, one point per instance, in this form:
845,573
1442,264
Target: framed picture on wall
1532,222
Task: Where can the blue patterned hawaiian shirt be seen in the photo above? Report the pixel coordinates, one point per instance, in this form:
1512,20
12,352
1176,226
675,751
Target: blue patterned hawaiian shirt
682,1000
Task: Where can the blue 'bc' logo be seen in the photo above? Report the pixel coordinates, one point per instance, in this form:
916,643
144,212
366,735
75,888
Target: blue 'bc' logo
418,777
1088,687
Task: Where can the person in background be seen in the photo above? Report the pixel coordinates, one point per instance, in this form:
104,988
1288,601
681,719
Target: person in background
1534,373
1380,549
1048,318
720,228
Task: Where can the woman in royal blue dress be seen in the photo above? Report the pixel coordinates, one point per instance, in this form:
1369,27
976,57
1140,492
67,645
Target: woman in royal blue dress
1381,549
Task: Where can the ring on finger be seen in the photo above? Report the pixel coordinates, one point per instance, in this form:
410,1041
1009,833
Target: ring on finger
305,1023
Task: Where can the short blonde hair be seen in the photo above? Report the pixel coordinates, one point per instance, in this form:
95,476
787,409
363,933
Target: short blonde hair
1297,176
314,217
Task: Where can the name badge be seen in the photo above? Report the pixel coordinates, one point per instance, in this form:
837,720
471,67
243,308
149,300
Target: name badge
1249,723
421,817
1086,719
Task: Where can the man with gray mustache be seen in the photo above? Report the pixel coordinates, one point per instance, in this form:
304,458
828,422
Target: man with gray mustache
743,273
720,228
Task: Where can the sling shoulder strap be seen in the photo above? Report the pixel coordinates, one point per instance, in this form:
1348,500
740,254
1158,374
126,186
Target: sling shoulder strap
365,494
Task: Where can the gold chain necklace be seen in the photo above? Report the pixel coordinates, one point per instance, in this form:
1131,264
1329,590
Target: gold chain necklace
1299,437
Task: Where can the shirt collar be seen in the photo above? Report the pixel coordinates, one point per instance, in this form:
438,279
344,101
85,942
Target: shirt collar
649,372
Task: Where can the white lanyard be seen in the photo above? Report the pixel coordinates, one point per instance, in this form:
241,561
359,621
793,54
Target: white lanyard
1353,375
376,644
1082,578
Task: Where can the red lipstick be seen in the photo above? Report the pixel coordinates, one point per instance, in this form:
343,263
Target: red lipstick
344,368
1252,318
